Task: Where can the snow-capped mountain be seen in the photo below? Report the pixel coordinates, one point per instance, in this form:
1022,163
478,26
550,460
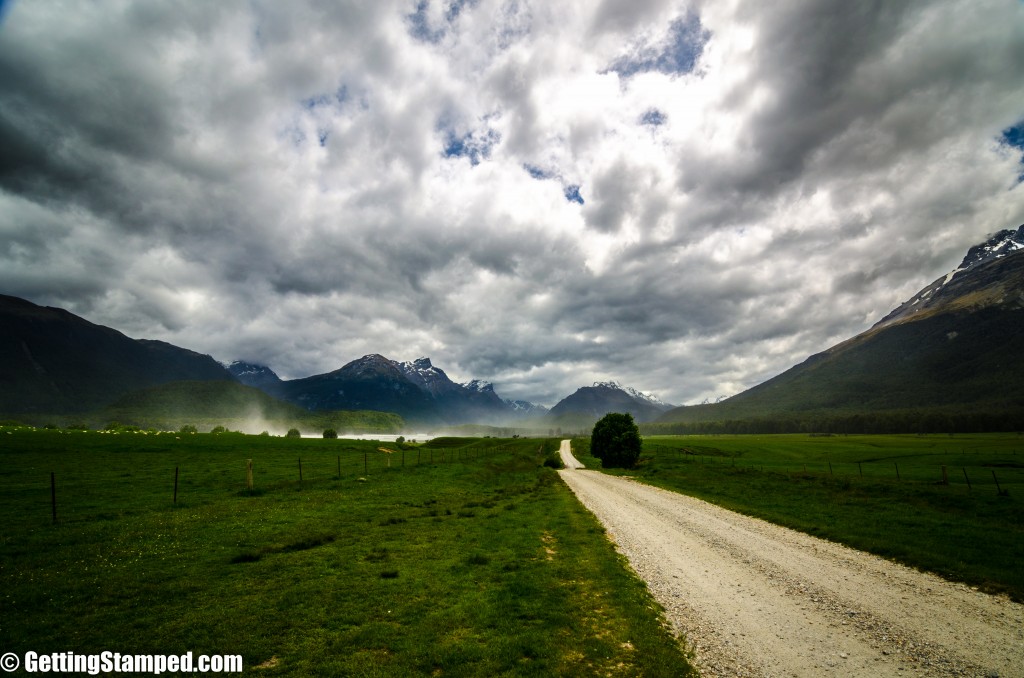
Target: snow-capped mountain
951,285
429,378
654,400
950,358
525,408
417,390
998,246
608,396
257,376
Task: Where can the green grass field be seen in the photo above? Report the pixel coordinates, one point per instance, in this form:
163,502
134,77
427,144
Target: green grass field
882,494
463,559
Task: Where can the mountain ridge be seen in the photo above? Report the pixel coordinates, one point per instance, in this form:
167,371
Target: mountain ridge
951,356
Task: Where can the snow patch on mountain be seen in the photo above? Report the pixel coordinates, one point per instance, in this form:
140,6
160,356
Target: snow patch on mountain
998,246
632,392
478,386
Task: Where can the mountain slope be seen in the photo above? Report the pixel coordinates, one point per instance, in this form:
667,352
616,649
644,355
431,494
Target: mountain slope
956,348
417,390
593,402
56,362
370,383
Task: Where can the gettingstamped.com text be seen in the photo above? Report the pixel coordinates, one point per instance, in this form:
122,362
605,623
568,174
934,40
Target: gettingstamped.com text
115,662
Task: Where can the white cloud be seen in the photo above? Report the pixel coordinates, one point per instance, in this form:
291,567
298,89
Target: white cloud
302,187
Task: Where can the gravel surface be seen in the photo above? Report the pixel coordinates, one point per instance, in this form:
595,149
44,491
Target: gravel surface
756,599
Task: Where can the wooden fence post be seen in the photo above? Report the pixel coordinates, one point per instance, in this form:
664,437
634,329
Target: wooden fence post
945,476
339,465
175,484
966,478
897,470
53,496
860,469
999,490
248,474
300,472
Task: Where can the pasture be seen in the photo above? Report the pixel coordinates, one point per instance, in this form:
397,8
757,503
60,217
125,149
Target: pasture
464,559
883,494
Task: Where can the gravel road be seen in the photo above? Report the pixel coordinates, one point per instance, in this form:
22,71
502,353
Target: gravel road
756,599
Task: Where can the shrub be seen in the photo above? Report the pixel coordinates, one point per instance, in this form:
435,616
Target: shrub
293,433
330,433
616,441
188,428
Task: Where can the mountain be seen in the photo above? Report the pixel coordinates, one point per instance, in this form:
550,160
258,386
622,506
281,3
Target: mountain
417,390
524,408
257,376
56,362
955,287
593,402
952,356
370,383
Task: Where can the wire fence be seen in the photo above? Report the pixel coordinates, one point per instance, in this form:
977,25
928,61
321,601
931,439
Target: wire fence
986,471
73,486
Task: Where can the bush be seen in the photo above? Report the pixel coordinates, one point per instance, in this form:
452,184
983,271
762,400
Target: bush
293,433
616,441
553,460
188,428
330,433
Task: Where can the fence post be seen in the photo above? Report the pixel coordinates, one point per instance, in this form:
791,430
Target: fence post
339,466
175,484
248,474
365,467
966,478
53,496
861,470
300,472
999,490
945,476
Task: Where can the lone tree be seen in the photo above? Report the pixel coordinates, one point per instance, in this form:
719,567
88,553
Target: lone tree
616,441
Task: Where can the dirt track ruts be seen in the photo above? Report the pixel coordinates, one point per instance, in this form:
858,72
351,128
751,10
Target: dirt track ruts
756,599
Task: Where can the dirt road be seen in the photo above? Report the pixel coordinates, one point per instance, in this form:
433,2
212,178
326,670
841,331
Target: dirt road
756,599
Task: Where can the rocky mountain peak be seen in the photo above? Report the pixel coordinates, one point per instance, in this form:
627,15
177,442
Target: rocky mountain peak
964,280
478,386
999,245
253,374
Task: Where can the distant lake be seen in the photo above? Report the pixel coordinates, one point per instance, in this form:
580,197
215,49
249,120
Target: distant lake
383,437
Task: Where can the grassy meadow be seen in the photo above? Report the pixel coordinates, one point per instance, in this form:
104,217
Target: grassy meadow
880,493
465,557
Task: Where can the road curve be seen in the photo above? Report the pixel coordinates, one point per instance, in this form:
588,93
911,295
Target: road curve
756,599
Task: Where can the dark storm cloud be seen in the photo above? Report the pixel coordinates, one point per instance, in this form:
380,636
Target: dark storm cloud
688,198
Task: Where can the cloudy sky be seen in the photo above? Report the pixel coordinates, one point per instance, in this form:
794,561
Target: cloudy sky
688,198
